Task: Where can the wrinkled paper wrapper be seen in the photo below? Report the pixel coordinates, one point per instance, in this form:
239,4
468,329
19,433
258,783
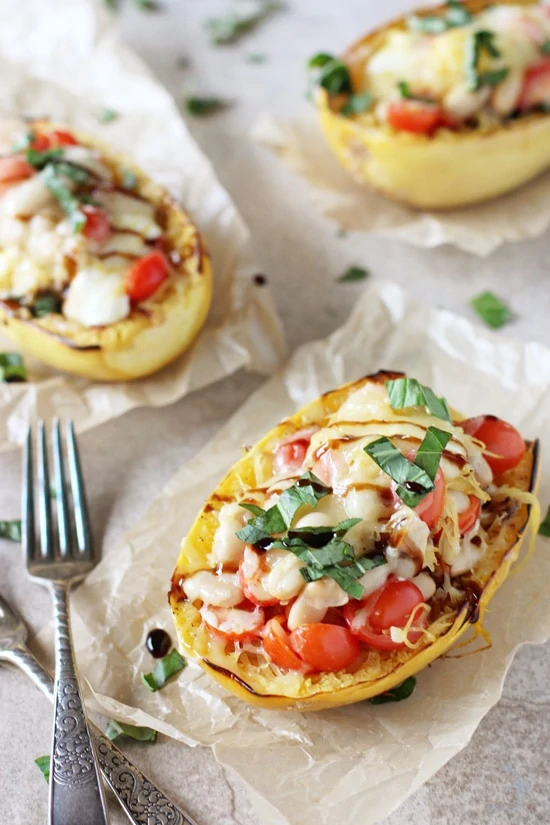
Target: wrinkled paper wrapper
479,229
357,763
65,61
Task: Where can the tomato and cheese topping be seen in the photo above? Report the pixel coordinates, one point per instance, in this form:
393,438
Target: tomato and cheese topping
76,238
366,527
450,69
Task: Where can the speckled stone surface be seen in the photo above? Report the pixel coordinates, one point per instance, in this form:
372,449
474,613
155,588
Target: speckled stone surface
501,778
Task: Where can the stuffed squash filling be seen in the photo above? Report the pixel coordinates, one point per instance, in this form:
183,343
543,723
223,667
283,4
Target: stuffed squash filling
450,68
76,237
357,532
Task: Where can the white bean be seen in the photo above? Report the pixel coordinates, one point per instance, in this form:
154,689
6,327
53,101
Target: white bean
220,590
461,500
284,581
313,602
373,579
425,584
226,547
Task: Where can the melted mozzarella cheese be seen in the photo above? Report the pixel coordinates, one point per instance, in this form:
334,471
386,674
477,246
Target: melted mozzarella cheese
89,159
96,298
132,214
220,590
27,198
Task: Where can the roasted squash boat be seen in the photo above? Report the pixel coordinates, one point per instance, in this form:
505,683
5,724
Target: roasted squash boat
445,107
102,273
352,546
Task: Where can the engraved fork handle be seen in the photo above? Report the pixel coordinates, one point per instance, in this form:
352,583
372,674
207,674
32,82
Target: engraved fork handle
76,789
142,801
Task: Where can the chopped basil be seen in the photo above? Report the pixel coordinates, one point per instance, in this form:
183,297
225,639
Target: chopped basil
545,48
544,529
414,479
169,666
482,41
354,273
319,536
456,15
147,5
45,303
330,73
406,93
408,392
357,104
10,530
70,204
256,58
43,763
12,367
396,694
39,159
115,730
239,20
108,115
23,142
492,310
129,179
201,106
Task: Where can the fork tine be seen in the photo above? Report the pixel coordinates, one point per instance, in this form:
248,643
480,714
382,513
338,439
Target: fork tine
81,518
63,525
27,502
46,544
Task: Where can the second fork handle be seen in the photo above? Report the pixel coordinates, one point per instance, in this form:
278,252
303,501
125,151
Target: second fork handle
76,789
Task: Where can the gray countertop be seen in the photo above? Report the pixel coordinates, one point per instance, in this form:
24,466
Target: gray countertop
501,778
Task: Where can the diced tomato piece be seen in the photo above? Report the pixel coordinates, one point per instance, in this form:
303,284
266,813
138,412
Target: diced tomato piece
325,647
235,624
536,86
389,606
500,438
277,645
55,139
146,275
14,168
290,454
252,568
97,226
468,518
415,116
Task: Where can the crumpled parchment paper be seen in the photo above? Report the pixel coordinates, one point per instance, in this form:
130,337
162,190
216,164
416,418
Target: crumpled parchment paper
65,61
358,763
478,229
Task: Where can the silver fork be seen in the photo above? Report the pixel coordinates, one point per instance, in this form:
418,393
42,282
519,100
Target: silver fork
142,801
76,789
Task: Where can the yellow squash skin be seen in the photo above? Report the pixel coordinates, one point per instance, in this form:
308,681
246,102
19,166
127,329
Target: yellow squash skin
382,670
443,171
154,334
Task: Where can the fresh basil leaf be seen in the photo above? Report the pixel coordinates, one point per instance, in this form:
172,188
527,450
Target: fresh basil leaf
429,452
202,106
354,273
43,763
169,666
108,115
457,15
482,41
12,367
357,104
10,530
492,310
45,303
307,490
319,60
72,171
319,536
240,20
405,92
115,730
252,508
334,552
544,529
545,48
259,531
396,694
342,577
335,78
492,78
256,58
68,202
39,159
408,392
129,180
413,483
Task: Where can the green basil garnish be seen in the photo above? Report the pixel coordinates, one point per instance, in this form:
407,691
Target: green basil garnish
10,530
414,479
202,106
70,204
115,730
39,159
492,310
330,73
396,694
129,180
545,48
239,21
45,303
354,273
408,392
43,763
357,104
456,15
544,529
256,58
482,41
169,666
12,367
108,115
406,93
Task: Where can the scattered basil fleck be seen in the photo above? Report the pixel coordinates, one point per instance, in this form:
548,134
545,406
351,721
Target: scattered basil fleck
201,106
11,530
408,392
256,58
354,273
43,763
357,104
330,73
45,303
242,18
108,115
482,41
545,48
544,529
492,310
12,367
456,15
169,666
396,694
429,452
115,730
406,93
70,204
129,180
147,5
39,159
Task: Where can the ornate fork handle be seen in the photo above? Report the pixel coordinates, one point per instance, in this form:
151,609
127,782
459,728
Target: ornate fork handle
142,801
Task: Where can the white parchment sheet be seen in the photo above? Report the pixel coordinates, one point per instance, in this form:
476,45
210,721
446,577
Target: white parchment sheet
64,60
355,764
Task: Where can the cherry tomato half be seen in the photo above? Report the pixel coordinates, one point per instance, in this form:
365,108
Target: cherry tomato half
325,647
414,116
468,518
500,438
146,275
235,624
97,226
389,606
14,168
536,86
431,506
277,645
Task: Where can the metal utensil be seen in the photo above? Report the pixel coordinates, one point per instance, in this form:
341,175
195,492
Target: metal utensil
142,801
76,789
